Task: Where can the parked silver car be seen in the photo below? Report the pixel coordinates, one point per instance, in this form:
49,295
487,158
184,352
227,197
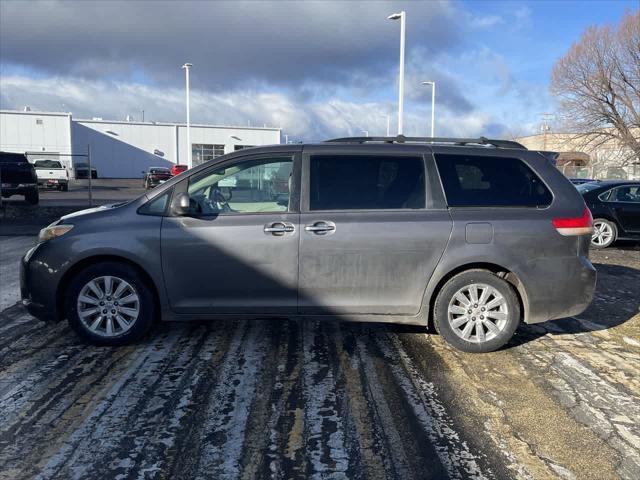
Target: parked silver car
472,235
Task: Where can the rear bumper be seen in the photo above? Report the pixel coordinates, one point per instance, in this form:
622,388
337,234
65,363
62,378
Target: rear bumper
53,182
568,290
17,189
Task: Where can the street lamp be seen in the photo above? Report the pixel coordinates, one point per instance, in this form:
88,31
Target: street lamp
402,17
433,107
187,67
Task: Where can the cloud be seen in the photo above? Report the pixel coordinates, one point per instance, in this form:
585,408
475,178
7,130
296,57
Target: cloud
282,43
485,21
308,121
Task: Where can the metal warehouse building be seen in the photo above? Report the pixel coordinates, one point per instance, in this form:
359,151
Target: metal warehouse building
122,149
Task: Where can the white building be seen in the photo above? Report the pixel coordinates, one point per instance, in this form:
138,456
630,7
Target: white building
122,149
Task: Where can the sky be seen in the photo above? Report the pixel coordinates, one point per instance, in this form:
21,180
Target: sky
316,69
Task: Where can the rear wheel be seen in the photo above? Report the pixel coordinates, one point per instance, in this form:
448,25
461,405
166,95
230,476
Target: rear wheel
109,304
64,187
604,234
32,196
477,311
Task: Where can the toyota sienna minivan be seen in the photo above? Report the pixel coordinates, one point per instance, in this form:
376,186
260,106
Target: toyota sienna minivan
472,235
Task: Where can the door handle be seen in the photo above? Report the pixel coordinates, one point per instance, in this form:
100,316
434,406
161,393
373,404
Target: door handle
279,228
321,227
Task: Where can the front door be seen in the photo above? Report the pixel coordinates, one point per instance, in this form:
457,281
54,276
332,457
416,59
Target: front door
237,250
368,244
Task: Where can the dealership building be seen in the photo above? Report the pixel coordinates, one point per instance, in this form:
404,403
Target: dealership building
122,149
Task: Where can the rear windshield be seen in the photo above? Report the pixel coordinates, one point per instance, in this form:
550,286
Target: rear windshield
587,187
12,158
47,164
159,170
479,181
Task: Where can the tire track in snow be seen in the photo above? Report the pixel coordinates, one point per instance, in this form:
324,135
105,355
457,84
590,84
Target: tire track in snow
429,411
227,413
101,430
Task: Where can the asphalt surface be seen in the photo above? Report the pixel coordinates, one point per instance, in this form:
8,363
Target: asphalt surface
103,190
288,399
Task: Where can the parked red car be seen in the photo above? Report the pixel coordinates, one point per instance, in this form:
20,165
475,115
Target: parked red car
178,169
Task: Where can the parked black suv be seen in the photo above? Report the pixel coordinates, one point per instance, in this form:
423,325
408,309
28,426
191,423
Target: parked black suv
18,177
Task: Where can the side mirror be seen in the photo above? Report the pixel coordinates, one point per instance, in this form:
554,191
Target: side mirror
181,204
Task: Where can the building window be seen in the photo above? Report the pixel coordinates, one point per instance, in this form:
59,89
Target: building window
38,121
242,147
201,153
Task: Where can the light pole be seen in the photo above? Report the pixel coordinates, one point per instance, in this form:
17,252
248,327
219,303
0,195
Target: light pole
402,17
433,107
187,67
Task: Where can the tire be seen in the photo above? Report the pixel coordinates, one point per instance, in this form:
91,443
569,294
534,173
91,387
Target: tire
503,317
125,329
32,197
605,232
64,187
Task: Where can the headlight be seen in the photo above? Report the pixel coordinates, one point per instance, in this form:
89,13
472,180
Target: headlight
52,232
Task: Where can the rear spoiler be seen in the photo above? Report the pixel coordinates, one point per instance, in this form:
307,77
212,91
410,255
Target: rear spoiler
551,156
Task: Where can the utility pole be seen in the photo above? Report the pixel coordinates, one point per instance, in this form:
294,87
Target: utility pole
545,128
187,67
402,17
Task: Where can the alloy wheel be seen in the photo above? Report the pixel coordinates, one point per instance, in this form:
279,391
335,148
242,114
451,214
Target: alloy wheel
108,306
602,234
478,313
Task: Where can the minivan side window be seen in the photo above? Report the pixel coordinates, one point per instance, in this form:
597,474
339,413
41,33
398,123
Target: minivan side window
252,186
479,181
366,182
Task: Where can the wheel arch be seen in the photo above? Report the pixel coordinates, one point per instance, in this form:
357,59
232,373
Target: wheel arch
511,277
92,260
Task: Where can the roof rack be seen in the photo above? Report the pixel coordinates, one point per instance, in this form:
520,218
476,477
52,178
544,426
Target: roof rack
455,141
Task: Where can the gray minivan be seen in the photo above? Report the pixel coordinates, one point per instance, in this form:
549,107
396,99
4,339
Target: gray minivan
473,235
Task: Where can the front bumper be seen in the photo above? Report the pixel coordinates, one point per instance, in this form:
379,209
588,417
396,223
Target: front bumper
37,294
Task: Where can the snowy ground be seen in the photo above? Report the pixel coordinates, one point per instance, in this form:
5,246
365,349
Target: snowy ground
286,399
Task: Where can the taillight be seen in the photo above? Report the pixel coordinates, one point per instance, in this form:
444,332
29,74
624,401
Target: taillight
582,225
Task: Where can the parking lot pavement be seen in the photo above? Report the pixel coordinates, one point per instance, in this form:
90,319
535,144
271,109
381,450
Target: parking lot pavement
104,191
11,249
288,399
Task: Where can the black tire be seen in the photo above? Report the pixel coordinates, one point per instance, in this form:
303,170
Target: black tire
64,187
94,175
141,324
32,197
614,230
465,279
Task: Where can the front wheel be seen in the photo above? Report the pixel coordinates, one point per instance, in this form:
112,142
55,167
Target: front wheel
477,311
109,304
604,234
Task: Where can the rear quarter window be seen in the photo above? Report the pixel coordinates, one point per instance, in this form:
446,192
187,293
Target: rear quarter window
479,181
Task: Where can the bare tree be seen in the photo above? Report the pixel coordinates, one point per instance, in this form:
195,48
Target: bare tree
598,84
